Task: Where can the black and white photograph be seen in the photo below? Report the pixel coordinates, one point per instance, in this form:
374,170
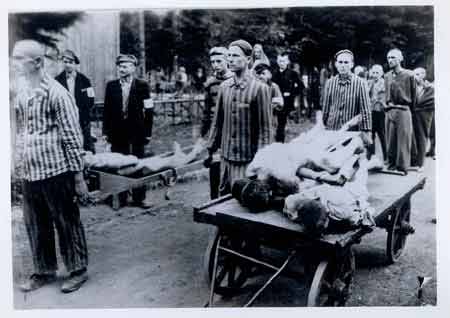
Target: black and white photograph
198,157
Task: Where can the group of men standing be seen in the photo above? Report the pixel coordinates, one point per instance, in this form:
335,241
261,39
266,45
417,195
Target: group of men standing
244,108
127,119
403,112
238,117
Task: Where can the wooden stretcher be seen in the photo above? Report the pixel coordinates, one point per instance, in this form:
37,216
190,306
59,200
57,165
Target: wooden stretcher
235,250
108,184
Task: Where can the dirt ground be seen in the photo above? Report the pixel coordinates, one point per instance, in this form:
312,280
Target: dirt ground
154,259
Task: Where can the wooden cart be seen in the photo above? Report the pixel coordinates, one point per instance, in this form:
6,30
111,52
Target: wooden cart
235,250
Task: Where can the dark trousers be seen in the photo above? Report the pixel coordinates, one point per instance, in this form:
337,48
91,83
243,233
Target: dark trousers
214,179
88,143
378,128
149,114
136,149
422,121
49,204
432,150
280,134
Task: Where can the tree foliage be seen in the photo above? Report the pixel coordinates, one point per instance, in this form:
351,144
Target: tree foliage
311,34
41,26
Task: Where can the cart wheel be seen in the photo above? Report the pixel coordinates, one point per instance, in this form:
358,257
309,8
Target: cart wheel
331,285
232,271
398,231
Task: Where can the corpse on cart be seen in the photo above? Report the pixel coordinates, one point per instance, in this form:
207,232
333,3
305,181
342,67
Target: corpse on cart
312,198
110,174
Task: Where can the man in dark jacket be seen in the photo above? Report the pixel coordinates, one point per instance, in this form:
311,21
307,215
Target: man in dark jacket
80,87
422,117
124,123
290,86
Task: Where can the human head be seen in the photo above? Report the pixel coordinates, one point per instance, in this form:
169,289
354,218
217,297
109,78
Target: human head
283,60
182,69
27,58
126,65
239,55
70,60
420,73
359,71
257,51
263,73
252,193
376,71
309,212
344,62
394,58
218,58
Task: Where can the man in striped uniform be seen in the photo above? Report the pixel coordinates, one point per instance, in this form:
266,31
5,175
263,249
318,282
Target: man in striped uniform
346,96
242,120
400,102
219,64
52,167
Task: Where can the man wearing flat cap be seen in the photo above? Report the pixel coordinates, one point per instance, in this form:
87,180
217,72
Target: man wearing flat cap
124,122
219,64
242,119
346,96
80,87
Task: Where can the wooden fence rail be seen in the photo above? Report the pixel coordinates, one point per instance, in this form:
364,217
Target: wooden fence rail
183,110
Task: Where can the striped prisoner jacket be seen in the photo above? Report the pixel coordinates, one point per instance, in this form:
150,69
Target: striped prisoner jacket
243,119
344,98
212,90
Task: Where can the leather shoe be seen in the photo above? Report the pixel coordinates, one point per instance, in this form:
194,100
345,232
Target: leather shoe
36,281
74,282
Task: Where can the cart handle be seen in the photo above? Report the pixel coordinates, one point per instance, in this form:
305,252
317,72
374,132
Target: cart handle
213,202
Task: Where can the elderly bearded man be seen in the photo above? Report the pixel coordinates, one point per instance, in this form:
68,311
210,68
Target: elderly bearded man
346,96
242,121
400,102
52,169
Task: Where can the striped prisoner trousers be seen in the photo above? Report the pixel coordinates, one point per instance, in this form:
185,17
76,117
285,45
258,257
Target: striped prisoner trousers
49,204
230,171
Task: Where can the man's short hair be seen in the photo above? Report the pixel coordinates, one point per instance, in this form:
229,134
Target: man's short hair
378,67
397,52
284,53
346,51
420,69
218,50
